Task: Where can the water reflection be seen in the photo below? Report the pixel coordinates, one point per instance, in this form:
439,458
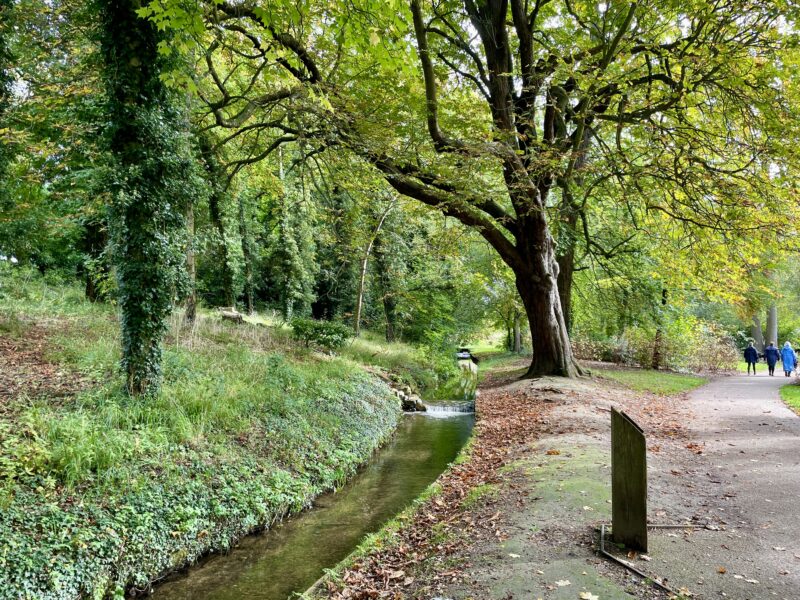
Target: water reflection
290,557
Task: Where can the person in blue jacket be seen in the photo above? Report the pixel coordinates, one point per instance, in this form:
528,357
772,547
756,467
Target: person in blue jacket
751,357
788,358
772,355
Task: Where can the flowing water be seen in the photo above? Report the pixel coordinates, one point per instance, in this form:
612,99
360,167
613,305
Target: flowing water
292,556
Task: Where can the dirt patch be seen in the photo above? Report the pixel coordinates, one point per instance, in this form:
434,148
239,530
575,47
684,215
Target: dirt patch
25,370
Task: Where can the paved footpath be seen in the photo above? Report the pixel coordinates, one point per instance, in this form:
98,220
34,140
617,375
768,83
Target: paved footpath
751,473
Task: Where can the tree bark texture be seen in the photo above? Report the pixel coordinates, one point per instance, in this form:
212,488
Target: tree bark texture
757,333
386,285
772,325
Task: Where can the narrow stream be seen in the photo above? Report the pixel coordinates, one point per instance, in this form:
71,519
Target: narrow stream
292,556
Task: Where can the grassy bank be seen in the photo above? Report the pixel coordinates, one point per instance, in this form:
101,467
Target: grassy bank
790,394
100,492
657,382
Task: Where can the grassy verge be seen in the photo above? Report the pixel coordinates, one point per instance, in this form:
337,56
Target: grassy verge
657,382
790,394
100,492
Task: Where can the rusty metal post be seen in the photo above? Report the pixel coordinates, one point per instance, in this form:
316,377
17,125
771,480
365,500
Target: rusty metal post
628,482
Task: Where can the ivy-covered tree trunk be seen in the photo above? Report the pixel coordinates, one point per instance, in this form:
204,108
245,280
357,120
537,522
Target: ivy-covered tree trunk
387,288
150,167
6,151
191,266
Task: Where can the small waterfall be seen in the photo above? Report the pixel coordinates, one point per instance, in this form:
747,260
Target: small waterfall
450,408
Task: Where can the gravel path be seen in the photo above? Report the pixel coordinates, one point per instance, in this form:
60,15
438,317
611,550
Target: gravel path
750,486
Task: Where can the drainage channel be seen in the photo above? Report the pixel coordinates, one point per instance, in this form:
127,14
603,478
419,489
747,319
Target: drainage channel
293,555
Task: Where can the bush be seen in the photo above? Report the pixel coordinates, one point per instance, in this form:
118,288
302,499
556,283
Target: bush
687,344
325,334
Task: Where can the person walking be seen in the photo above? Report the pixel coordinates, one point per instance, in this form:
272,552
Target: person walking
772,355
788,358
751,357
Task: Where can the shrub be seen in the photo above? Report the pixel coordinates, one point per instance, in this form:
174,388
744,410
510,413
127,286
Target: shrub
687,344
325,334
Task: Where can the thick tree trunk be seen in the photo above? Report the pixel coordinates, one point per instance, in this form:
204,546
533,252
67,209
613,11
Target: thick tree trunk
191,268
772,325
536,284
757,333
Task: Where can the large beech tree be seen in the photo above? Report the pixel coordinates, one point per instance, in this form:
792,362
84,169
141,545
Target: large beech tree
499,113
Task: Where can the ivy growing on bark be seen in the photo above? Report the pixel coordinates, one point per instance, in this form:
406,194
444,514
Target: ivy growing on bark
149,182
6,62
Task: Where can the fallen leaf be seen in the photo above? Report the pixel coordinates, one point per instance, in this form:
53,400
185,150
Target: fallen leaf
512,555
588,596
553,452
563,582
722,570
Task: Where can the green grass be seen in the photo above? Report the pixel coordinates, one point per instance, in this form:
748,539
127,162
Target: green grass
657,382
790,394
99,491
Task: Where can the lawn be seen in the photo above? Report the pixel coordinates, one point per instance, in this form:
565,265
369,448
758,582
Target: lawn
658,382
790,394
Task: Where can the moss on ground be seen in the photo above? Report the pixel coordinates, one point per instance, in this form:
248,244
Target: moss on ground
100,492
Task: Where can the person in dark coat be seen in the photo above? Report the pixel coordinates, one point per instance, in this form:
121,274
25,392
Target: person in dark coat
772,354
751,357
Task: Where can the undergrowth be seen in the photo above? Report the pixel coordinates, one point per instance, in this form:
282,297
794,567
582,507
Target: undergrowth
100,491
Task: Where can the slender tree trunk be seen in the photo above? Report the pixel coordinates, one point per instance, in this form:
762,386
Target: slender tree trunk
363,271
658,342
385,279
517,334
218,180
222,248
772,325
248,258
757,333
93,243
566,272
191,267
